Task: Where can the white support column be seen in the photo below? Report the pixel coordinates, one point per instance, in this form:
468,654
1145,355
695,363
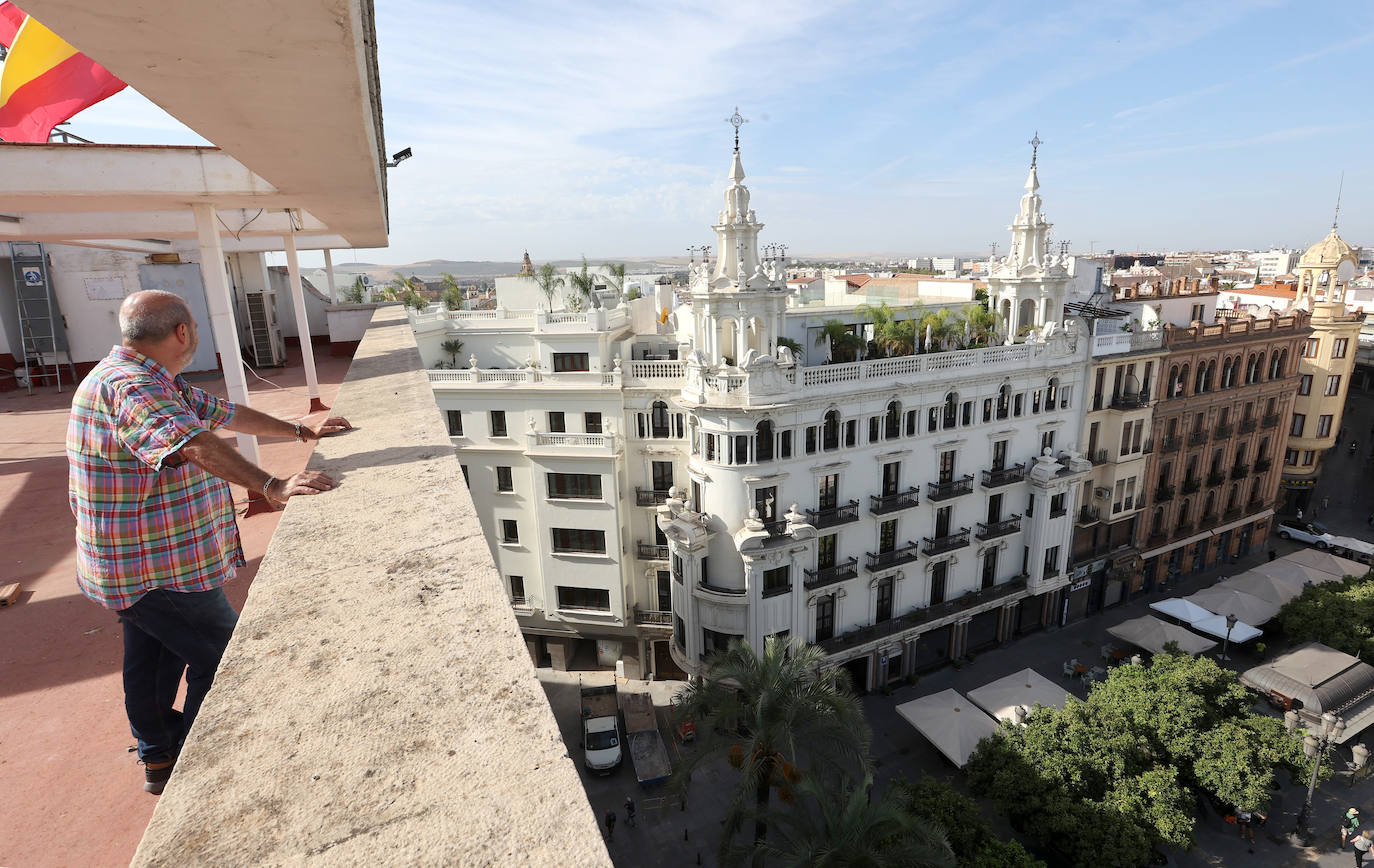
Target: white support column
221,305
293,269
329,276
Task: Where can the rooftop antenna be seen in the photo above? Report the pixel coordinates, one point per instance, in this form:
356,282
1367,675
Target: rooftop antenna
737,120
1339,189
993,255
1035,144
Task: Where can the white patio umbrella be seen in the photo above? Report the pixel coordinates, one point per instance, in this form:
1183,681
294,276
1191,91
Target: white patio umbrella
1327,563
1152,634
1203,620
950,722
1293,571
1229,601
1270,588
1022,689
1182,610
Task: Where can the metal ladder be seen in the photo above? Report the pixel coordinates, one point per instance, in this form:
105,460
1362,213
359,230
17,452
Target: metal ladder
42,328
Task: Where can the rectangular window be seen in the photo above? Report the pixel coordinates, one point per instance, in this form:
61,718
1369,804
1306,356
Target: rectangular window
696,496
873,429
999,454
1324,425
1333,385
664,589
1305,384
825,551
1290,457
570,362
943,519
912,420
1339,348
766,502
851,432
584,599
1299,421
510,531
825,618
572,539
455,423
989,568
677,568
811,440
785,444
1056,504
517,590
777,581
1051,562
498,423
938,574
891,474
662,475
887,536
883,609
558,424
947,465
1309,348
577,486
994,508
591,423
1046,442
1308,457
828,491
504,480
987,409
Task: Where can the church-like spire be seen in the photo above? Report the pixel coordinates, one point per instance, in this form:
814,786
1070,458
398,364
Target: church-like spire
737,231
1030,230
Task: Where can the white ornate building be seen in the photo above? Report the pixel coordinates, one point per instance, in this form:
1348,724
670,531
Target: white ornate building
675,485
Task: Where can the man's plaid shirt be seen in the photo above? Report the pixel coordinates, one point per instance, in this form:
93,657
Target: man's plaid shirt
145,516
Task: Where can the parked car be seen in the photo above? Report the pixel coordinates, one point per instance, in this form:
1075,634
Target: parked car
1305,531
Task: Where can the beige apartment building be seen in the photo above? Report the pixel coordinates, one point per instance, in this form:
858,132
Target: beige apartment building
1324,368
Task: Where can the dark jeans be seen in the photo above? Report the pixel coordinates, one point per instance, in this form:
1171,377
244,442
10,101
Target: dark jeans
166,633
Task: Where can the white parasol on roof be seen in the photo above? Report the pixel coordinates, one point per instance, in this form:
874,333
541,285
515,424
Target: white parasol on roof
1024,689
1152,634
950,722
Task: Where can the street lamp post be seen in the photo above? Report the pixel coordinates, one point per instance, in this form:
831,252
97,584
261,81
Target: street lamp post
1314,747
1226,642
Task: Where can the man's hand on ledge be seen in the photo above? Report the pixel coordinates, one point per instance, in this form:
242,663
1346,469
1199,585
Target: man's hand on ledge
332,425
306,482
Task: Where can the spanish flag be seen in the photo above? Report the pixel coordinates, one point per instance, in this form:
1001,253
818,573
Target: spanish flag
44,81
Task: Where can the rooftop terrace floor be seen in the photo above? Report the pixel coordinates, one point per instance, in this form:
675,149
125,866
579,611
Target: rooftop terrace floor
72,793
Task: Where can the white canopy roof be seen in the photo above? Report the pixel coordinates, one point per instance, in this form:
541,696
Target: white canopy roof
1204,620
1230,601
1152,634
1025,688
1327,563
1271,588
1293,571
949,721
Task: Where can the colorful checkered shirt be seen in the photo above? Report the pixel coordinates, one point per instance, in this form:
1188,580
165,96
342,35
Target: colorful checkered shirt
145,516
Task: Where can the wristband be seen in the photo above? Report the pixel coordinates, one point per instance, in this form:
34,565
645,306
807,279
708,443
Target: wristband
268,484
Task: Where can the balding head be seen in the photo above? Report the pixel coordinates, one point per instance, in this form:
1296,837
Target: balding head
151,316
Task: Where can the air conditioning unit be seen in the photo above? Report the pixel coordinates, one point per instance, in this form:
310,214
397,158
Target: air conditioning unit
264,332
1102,493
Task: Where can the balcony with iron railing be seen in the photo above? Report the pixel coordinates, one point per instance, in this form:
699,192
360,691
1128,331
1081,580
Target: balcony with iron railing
1240,471
993,529
822,576
882,504
1224,430
1263,464
1004,476
883,560
936,491
1233,513
1171,444
1164,493
938,545
651,496
653,618
1192,486
1269,420
919,617
1197,438
1248,426
832,516
652,551
1089,514
1183,528
1130,402
1215,478
705,585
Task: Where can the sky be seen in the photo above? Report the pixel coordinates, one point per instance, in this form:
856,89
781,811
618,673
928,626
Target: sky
875,128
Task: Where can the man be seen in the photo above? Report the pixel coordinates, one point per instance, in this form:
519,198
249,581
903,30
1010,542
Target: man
1350,825
156,536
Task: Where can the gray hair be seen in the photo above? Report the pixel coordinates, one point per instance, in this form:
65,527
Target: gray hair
151,315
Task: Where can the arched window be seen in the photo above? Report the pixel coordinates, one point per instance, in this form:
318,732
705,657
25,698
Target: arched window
1250,368
1159,520
1232,497
1183,512
1211,378
892,422
1199,381
1003,402
658,420
1259,368
1052,394
1182,381
763,434
951,413
1226,371
1283,363
830,431
1175,384
1210,508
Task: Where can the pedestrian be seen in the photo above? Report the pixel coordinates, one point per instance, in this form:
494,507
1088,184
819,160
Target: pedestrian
1326,502
156,537
610,824
1243,823
1361,846
1300,513
1350,825
630,811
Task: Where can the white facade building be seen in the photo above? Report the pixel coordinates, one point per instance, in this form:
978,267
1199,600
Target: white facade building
679,484
1274,263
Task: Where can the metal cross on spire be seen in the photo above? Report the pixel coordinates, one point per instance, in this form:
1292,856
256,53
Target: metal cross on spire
737,120
1035,144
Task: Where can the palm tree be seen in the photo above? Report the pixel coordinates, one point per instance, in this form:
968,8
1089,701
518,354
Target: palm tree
982,325
794,346
398,287
758,710
617,276
453,293
844,344
584,284
847,828
549,281
942,326
453,347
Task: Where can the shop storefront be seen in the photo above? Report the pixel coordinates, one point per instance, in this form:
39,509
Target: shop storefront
932,650
982,631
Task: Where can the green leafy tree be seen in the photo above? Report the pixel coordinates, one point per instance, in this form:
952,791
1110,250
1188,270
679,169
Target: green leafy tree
355,294
970,837
982,325
583,284
452,293
844,344
452,346
944,328
546,276
396,288
770,714
1338,614
794,346
892,336
843,826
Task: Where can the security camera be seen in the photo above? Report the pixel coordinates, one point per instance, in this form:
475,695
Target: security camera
399,157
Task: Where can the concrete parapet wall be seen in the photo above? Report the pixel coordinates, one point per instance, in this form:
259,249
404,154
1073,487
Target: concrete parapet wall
377,705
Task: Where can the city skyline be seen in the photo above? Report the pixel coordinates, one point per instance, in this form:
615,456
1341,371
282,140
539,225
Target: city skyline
1165,126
